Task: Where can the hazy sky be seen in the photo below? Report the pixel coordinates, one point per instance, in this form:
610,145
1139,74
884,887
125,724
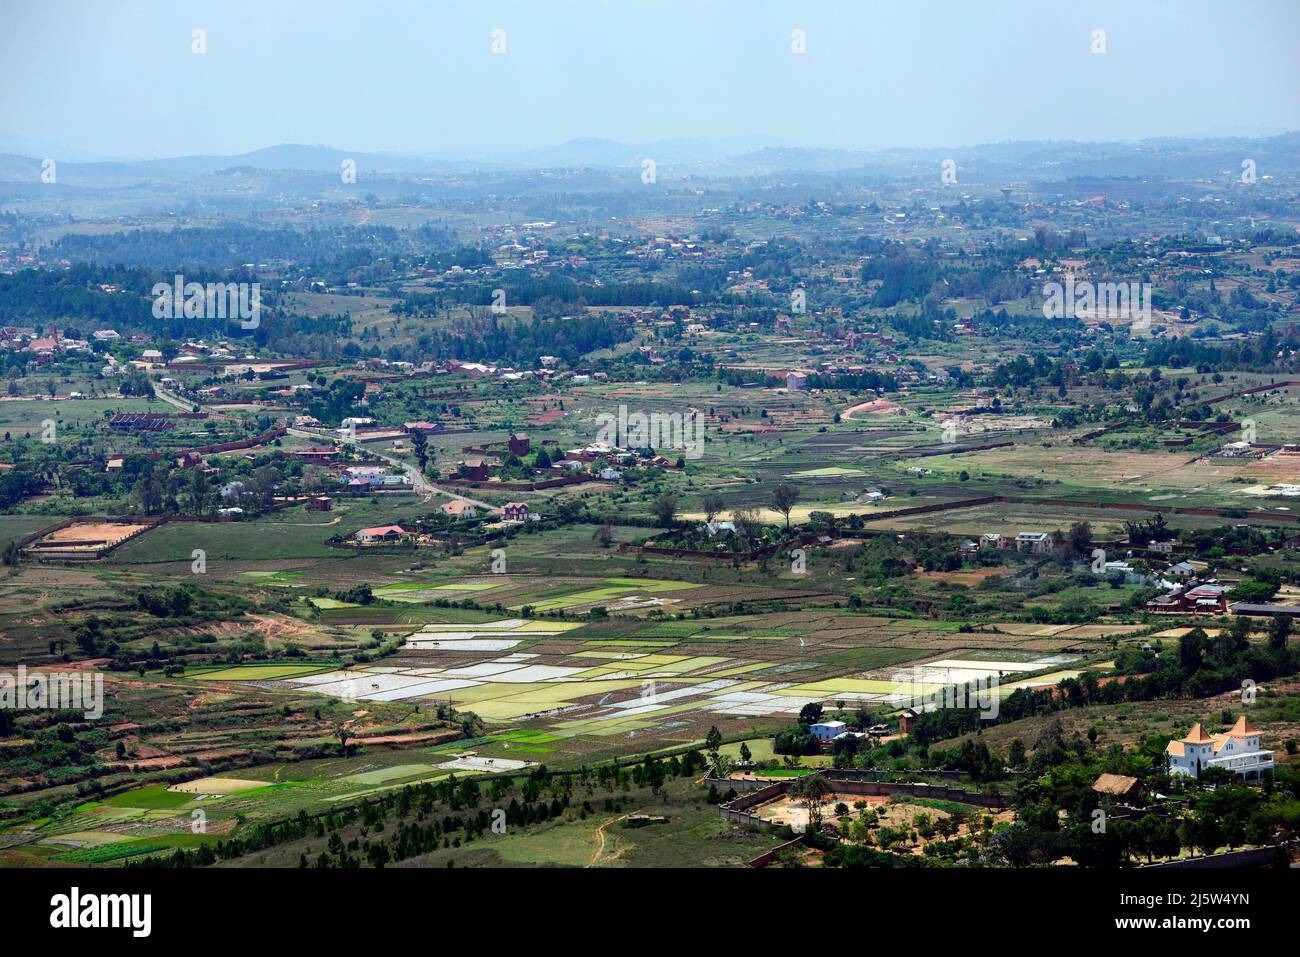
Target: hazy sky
119,78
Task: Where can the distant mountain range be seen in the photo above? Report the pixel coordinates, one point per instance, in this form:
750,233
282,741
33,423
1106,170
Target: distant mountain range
717,157
580,153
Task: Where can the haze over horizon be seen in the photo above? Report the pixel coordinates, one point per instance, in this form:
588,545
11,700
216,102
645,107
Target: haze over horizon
120,81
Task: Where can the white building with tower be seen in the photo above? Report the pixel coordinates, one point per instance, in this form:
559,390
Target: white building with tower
1237,751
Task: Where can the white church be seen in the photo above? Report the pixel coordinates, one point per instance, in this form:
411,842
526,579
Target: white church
1236,751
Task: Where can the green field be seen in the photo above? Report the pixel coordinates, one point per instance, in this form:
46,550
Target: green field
257,672
154,797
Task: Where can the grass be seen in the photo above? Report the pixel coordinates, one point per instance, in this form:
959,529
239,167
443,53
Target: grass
462,745
329,604
106,853
610,589
788,772
830,470
760,749
394,773
693,836
258,672
154,797
15,527
630,643
71,414
293,533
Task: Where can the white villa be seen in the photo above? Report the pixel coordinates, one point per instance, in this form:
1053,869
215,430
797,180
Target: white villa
1237,751
827,730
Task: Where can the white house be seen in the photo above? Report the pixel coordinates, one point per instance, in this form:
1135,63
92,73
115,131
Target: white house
381,533
1131,575
1237,751
459,508
377,475
827,730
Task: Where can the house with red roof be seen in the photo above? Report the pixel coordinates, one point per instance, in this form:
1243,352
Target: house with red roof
380,534
459,508
515,512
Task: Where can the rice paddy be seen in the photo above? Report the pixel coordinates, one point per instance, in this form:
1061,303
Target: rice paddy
567,686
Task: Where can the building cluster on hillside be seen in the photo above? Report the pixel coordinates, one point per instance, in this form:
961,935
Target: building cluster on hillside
1191,597
43,347
609,459
511,513
1034,543
366,478
829,731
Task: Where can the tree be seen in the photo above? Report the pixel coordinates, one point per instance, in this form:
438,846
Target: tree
569,509
148,493
747,523
1080,538
665,508
812,792
199,493
712,504
1191,647
1279,630
795,741
810,713
745,753
784,497
1156,838
420,442
712,744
